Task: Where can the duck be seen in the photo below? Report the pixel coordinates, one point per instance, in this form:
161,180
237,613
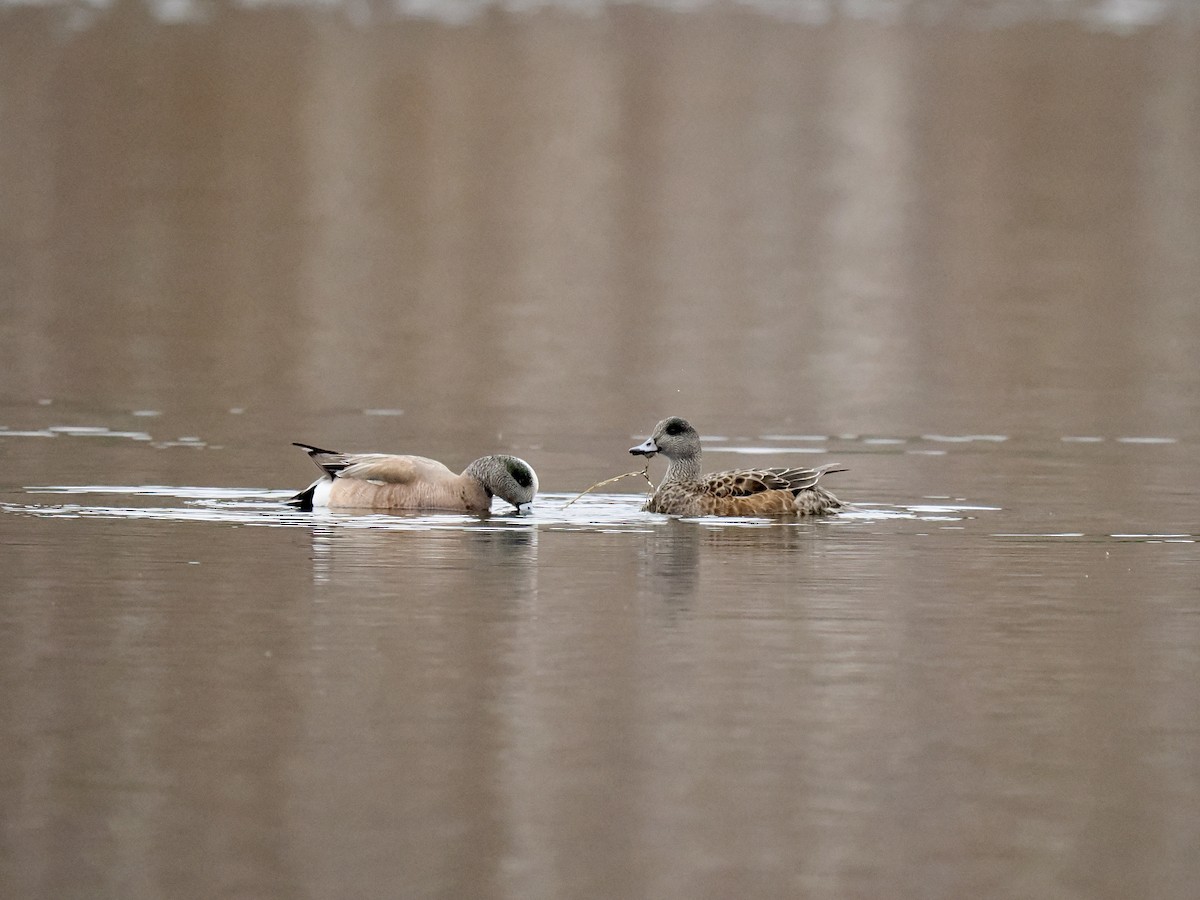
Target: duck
741,492
385,481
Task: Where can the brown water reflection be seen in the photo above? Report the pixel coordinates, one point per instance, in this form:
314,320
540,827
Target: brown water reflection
961,261
214,207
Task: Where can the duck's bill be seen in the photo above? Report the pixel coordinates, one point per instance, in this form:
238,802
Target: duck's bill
647,449
524,509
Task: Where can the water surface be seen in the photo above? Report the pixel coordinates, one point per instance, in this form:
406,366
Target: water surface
956,257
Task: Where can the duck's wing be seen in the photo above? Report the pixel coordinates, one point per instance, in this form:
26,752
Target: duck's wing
387,469
742,483
384,468
748,482
800,479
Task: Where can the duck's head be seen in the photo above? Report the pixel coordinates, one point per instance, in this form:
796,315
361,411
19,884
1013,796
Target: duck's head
674,438
508,478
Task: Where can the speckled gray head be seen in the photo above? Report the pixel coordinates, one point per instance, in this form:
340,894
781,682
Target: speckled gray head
673,437
508,477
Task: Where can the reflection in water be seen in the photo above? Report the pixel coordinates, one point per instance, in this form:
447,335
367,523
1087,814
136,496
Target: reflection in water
678,554
1121,16
343,553
433,219
354,699
670,562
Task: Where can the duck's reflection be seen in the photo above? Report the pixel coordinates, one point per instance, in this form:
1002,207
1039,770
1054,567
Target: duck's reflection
675,554
669,562
503,549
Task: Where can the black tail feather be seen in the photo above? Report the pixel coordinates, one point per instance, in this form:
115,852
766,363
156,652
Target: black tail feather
303,501
331,462
311,449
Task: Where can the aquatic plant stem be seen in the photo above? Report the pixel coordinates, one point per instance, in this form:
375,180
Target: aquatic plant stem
645,473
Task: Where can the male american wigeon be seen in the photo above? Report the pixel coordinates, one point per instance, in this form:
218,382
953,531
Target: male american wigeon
744,492
381,481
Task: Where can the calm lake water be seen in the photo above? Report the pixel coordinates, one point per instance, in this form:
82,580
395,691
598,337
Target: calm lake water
951,246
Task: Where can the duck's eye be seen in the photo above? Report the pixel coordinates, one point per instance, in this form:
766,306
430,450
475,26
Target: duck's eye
674,428
521,475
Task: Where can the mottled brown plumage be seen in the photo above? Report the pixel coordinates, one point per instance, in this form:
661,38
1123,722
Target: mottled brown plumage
382,481
744,492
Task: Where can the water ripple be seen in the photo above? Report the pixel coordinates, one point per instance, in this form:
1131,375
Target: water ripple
554,511
608,513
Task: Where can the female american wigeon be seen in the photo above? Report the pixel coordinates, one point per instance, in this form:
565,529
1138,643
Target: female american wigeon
744,492
380,481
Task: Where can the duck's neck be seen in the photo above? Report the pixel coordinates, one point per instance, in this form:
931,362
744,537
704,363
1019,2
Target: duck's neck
683,469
